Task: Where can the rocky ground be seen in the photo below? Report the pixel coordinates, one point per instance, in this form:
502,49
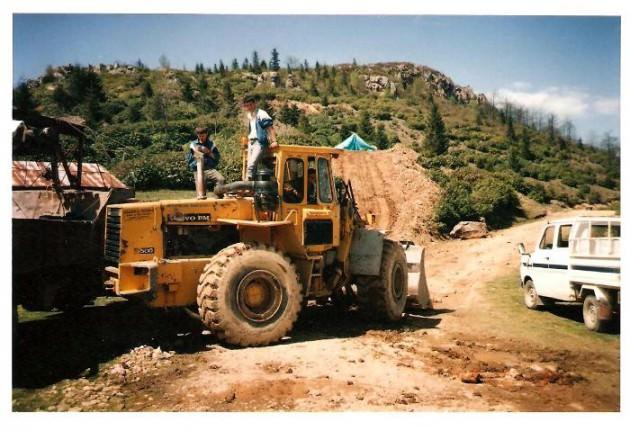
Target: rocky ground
471,353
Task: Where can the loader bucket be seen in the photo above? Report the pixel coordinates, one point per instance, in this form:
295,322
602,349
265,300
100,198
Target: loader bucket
417,280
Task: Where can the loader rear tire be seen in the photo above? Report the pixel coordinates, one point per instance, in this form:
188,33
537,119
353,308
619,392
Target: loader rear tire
385,296
249,295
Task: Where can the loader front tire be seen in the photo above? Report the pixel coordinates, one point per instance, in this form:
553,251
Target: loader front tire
385,296
249,295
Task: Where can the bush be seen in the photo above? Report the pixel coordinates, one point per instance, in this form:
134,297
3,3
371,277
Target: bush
166,170
488,197
495,200
536,192
454,206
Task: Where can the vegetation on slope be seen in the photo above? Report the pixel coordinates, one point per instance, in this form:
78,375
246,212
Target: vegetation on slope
480,154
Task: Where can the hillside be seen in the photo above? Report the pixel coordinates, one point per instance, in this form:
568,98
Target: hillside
489,156
391,185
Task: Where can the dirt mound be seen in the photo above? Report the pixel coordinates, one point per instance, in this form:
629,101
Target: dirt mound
393,186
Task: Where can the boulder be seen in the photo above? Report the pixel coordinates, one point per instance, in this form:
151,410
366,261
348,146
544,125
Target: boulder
469,229
272,78
376,83
291,82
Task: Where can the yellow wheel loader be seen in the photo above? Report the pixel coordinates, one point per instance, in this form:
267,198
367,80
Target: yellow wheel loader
250,258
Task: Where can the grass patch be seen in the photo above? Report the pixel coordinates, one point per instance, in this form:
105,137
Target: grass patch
553,327
164,194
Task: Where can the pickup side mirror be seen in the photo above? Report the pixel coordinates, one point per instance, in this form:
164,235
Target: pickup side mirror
521,248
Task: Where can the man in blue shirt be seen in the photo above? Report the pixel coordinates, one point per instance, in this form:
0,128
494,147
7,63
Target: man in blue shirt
211,157
261,135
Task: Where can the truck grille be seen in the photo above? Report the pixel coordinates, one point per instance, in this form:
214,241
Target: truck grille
112,235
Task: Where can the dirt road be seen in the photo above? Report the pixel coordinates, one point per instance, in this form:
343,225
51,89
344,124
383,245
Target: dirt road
467,354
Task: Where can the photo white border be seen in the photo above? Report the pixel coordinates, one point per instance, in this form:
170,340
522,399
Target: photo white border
364,421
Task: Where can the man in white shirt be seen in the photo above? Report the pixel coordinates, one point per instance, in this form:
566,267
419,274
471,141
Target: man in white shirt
261,136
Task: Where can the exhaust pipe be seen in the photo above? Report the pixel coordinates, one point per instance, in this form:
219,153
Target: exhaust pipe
200,181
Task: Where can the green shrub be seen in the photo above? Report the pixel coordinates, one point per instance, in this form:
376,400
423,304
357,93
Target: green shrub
495,200
536,192
454,206
158,171
486,196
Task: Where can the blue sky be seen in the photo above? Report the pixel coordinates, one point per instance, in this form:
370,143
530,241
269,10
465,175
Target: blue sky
565,65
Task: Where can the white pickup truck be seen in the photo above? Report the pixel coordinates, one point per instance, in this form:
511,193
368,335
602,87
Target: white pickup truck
576,260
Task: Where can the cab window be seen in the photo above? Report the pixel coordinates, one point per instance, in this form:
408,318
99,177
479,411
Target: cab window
293,182
615,231
323,175
599,231
546,242
563,236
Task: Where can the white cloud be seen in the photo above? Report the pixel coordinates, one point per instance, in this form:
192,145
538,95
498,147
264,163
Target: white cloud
521,85
563,102
606,105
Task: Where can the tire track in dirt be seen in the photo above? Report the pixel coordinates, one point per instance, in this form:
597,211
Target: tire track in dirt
394,187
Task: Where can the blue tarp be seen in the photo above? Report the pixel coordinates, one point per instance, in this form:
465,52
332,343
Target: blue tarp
355,143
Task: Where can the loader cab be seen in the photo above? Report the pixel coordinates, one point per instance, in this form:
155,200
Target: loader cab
307,195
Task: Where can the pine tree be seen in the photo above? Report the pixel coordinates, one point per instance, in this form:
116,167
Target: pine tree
306,65
133,112
509,133
312,90
478,116
263,65
345,82
62,99
330,88
255,62
147,89
234,64
229,104
140,65
203,85
365,125
290,114
245,64
435,138
187,92
274,63
23,99
92,108
222,68
158,109
325,74
580,144
551,129
303,123
347,129
380,139
49,76
164,62
525,147
513,160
